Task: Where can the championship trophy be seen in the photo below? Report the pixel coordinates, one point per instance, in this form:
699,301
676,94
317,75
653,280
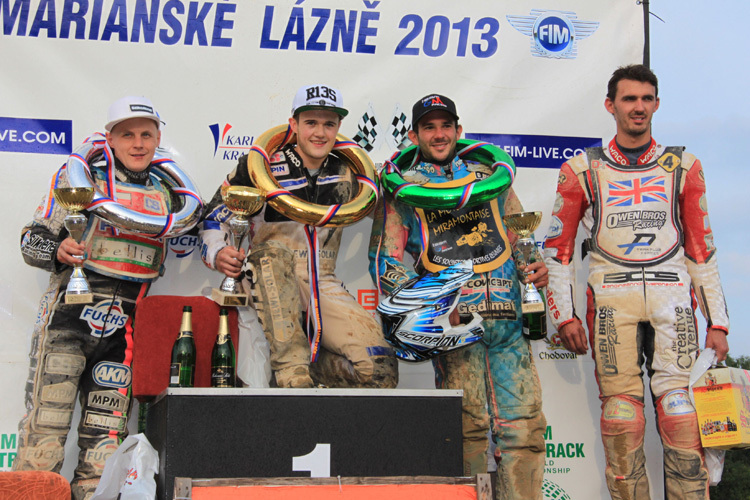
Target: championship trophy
532,304
76,199
242,202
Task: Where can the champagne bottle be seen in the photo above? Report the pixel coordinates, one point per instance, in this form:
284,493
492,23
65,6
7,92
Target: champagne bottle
535,324
223,359
182,369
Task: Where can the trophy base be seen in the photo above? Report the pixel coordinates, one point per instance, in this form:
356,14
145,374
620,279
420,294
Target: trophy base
227,299
532,307
79,298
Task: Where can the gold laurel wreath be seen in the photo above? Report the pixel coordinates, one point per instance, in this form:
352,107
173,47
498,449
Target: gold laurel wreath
306,212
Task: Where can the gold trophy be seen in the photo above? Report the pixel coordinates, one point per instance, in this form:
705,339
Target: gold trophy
75,199
242,202
532,304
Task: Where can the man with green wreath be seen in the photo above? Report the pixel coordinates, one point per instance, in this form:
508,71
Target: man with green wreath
437,238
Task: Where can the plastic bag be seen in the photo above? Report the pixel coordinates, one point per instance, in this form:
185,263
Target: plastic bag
714,456
253,352
129,472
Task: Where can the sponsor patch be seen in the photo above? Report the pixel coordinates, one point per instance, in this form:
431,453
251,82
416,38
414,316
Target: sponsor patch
104,318
64,364
104,421
45,455
49,417
617,409
64,392
677,402
559,202
98,455
108,400
555,227
110,374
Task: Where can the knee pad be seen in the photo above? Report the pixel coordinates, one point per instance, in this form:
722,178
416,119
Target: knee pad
678,422
623,425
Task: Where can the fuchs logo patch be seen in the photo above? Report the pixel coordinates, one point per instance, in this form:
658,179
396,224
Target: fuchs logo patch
108,374
104,318
98,455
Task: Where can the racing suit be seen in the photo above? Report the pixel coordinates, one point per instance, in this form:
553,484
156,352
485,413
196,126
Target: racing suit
652,258
86,349
352,351
512,392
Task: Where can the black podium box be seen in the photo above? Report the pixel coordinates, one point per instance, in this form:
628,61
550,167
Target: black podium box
227,433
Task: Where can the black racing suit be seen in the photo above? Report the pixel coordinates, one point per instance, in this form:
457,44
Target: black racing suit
86,349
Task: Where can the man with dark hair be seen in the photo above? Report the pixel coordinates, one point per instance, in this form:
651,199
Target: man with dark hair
352,351
652,255
512,391
635,72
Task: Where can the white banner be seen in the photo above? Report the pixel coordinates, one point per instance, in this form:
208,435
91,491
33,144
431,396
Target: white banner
529,76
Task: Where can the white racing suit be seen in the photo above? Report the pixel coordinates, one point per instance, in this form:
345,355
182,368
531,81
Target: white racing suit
352,351
498,372
85,350
651,259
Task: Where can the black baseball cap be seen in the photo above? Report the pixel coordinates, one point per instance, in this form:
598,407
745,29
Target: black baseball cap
432,102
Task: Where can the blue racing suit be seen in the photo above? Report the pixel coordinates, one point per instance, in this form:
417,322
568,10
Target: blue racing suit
435,239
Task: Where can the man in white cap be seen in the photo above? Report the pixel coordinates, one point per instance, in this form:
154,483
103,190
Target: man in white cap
86,349
352,351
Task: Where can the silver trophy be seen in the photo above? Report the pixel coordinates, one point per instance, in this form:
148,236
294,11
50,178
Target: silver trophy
524,224
242,202
75,199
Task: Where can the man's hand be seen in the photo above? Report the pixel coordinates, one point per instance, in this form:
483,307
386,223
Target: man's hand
538,274
71,253
573,337
229,261
717,340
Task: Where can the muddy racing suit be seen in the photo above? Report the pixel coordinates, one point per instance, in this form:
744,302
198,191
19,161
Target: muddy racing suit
352,351
512,392
86,349
652,258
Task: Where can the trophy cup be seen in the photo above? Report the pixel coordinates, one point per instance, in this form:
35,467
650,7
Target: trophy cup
532,304
242,202
76,199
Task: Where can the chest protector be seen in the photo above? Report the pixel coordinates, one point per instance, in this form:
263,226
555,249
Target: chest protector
476,233
636,219
116,252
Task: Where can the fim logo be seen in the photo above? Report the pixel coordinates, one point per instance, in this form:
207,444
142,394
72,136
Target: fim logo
232,146
554,33
183,246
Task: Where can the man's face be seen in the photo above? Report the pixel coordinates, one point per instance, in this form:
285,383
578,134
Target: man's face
134,142
634,104
316,131
436,136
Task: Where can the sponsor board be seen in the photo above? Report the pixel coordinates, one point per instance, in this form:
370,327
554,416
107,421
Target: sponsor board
35,135
538,151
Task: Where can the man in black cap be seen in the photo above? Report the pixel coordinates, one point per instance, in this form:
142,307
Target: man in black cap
512,393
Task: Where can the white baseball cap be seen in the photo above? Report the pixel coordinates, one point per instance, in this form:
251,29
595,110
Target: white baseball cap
318,97
131,107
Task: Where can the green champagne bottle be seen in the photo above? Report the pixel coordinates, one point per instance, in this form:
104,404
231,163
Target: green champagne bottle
223,359
182,369
535,325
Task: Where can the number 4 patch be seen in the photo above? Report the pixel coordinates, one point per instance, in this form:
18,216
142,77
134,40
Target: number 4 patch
669,162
